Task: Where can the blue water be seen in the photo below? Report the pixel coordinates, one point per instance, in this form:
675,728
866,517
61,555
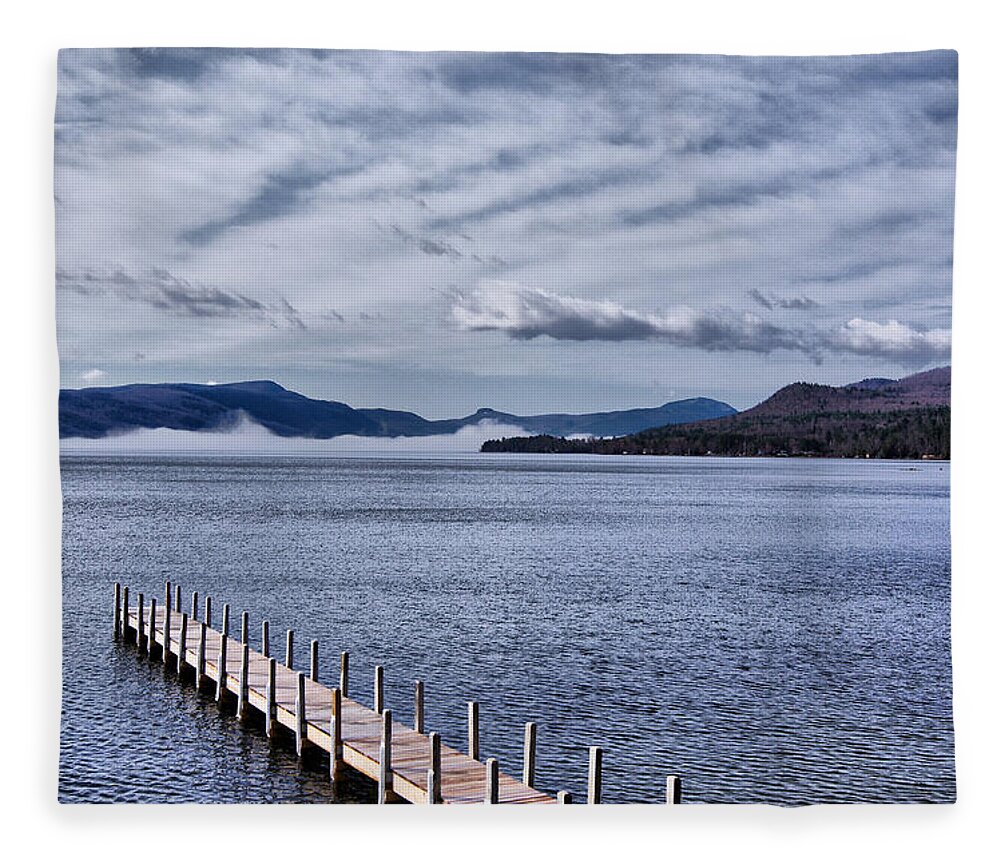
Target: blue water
772,631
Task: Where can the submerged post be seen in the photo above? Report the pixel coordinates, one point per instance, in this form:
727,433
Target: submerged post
194,605
345,659
492,793
530,743
385,759
314,660
182,644
118,611
673,789
140,636
199,669
242,702
289,646
418,707
434,771
300,712
265,639
271,694
379,696
594,776
474,730
336,736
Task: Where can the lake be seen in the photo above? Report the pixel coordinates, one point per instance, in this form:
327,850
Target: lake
773,631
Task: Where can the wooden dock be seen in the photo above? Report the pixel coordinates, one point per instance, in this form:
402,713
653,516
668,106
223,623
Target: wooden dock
406,763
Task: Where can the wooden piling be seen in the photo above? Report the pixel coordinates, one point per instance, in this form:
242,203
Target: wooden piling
594,776
385,759
673,789
199,669
242,703
492,793
220,684
530,745
225,619
379,696
300,712
474,730
151,625
289,647
118,611
271,695
434,771
314,660
418,707
245,627
182,644
336,736
345,660
564,797
177,597
165,654
126,635
208,610
265,639
194,605
140,636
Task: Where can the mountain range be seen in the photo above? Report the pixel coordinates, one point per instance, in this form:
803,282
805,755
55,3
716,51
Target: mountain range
94,413
904,418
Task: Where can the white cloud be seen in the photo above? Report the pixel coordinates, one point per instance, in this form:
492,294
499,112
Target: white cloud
893,340
93,375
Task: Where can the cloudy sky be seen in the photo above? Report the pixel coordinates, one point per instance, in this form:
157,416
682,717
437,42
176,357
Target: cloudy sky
529,232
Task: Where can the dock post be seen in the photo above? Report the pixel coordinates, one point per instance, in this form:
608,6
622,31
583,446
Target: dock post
194,605
530,745
244,627
336,736
564,797
140,636
166,626
673,789
300,712
492,793
345,660
379,696
118,611
199,669
225,619
314,660
208,610
289,647
271,694
220,684
152,626
242,704
418,707
125,622
474,730
177,597
434,771
385,759
265,639
594,776
182,644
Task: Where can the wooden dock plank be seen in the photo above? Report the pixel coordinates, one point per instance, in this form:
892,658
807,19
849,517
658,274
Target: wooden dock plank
463,779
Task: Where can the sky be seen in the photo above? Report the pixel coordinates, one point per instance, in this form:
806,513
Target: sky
534,233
